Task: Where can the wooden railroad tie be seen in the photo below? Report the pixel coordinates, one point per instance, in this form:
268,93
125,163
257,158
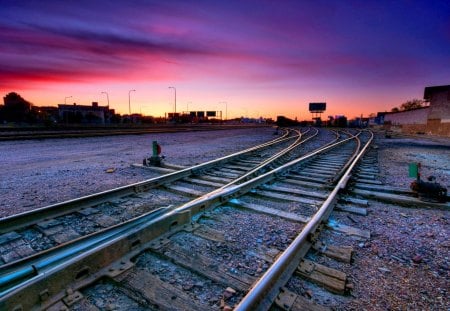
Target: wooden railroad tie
288,300
332,279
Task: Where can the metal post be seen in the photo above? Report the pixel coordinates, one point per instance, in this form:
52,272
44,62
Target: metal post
226,109
175,110
155,148
129,101
107,98
65,99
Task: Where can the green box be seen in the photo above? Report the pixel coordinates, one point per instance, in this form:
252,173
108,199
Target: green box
413,170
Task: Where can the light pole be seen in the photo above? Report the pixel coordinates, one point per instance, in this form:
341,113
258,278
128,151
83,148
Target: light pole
171,87
107,98
226,109
129,101
65,99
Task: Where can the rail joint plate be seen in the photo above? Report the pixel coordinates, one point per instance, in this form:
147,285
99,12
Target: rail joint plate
285,299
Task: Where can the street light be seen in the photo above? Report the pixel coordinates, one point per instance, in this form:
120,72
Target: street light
171,87
226,109
65,99
129,101
107,97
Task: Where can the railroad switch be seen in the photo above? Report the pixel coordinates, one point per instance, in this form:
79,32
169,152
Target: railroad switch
426,191
155,159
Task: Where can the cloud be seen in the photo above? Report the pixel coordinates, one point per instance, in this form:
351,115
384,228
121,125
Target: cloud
254,42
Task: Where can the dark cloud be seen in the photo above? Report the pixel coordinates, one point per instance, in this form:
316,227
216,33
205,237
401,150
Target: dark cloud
257,39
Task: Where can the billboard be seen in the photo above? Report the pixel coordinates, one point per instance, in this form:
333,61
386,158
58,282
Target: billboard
210,113
317,107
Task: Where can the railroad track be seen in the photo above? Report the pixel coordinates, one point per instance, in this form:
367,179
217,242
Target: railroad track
8,134
252,231
29,233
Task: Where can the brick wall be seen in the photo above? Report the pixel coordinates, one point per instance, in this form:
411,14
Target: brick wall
437,127
418,121
440,105
417,116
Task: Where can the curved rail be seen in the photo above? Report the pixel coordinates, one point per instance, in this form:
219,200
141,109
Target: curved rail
265,290
33,272
32,217
35,263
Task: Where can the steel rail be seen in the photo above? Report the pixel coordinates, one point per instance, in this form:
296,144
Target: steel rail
265,290
31,260
30,267
9,134
227,193
33,263
13,222
344,168
11,273
26,272
265,163
273,158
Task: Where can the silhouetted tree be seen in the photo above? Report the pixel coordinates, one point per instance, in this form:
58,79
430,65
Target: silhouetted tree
16,109
409,105
412,104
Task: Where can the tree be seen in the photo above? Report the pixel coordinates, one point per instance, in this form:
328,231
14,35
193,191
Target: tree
16,109
412,104
395,109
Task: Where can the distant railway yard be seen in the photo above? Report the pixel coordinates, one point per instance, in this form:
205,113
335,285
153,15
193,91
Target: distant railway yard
237,218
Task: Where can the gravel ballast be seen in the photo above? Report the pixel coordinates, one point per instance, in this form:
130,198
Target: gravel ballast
405,263
404,266
39,173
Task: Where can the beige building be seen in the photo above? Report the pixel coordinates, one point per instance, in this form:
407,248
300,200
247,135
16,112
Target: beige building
94,114
434,119
439,116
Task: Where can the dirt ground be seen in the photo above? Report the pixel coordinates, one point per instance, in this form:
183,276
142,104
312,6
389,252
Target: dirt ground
38,173
404,266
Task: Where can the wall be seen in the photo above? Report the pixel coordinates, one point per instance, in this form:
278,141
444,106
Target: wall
434,120
438,127
417,116
439,116
440,106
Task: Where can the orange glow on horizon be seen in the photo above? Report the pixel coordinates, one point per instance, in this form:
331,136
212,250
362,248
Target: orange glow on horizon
157,99
269,62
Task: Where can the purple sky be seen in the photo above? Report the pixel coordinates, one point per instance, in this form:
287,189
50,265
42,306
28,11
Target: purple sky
261,57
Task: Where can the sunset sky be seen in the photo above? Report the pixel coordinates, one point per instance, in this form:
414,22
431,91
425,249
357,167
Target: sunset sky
253,58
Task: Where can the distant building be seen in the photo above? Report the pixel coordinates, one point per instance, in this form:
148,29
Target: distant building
439,115
46,114
379,119
94,114
415,118
434,119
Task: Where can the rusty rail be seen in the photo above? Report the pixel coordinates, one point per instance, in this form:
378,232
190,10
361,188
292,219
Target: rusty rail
32,217
84,264
264,292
